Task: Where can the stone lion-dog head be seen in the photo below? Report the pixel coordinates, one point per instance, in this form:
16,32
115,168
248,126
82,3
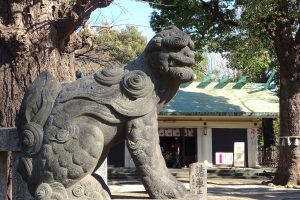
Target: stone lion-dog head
171,55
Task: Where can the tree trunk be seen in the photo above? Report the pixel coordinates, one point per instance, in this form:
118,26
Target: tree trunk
34,36
288,172
288,53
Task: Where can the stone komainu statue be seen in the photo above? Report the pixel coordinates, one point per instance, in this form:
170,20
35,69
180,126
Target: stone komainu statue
66,131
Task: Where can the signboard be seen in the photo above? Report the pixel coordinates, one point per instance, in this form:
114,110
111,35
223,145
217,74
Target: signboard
239,154
224,158
191,132
168,132
198,179
176,132
161,132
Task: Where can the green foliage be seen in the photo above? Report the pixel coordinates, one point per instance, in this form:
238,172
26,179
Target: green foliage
194,17
251,64
72,1
200,66
124,45
112,48
241,29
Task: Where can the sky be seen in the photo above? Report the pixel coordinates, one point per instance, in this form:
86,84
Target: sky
125,12
133,12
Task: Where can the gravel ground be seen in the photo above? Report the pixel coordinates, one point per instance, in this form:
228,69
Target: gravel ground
218,189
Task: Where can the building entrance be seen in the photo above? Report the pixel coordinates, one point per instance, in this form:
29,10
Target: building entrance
223,140
178,146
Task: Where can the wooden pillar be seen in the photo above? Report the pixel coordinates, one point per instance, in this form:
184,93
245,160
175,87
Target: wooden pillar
3,174
183,147
8,143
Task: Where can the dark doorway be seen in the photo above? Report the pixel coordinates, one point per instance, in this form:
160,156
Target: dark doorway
116,156
170,147
223,140
179,146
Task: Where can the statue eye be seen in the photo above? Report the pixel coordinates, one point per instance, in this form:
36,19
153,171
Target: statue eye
175,42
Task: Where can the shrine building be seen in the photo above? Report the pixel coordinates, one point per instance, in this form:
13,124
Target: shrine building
214,123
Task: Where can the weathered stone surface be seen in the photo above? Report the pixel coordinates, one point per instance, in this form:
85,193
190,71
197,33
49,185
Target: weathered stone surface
66,131
9,140
19,187
198,179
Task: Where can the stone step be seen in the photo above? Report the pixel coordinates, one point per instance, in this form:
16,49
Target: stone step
130,174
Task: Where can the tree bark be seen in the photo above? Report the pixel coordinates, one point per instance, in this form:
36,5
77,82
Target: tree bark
288,53
35,36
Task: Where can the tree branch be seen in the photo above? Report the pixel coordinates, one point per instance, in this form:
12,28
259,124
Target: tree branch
218,14
70,17
154,3
84,8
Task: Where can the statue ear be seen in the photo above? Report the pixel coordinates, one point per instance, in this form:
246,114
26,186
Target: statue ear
154,44
191,45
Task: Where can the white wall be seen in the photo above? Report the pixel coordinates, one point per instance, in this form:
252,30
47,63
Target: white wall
204,146
252,147
128,160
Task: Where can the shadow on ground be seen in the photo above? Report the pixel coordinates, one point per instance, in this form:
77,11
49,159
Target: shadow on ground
128,186
247,192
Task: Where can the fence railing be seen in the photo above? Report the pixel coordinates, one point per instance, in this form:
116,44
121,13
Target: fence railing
9,142
268,158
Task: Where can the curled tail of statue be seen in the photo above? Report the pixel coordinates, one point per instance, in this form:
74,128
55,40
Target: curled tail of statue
35,109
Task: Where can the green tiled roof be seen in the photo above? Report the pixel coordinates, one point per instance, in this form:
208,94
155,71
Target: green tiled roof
250,100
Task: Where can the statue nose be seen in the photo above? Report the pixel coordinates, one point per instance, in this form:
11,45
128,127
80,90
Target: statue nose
190,54
190,57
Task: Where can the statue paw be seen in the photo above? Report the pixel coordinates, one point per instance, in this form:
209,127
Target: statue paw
51,191
88,188
171,190
191,196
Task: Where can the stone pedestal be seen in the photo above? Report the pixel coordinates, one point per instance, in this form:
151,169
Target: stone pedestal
198,179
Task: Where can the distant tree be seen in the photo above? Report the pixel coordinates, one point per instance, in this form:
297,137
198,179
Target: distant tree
110,47
201,65
217,25
271,26
36,36
255,65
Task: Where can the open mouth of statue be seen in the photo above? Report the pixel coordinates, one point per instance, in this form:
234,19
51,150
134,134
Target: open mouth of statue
181,69
184,74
